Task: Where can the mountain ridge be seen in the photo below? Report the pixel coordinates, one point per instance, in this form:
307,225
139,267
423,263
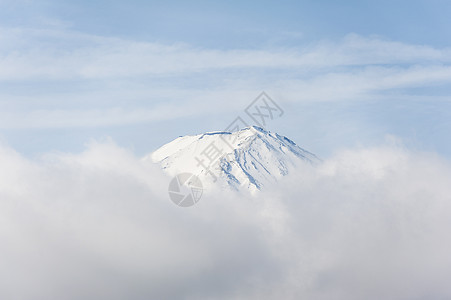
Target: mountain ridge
249,158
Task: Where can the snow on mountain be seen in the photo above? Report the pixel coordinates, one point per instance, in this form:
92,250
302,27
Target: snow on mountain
250,158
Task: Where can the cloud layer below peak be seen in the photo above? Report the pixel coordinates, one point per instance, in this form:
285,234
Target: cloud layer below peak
366,224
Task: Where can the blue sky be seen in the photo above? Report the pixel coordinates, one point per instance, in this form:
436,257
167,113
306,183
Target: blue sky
87,88
144,72
235,24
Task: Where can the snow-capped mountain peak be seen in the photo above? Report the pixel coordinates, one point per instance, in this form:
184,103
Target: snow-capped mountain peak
250,158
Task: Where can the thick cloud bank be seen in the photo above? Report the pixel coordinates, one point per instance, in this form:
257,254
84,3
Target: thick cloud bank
365,224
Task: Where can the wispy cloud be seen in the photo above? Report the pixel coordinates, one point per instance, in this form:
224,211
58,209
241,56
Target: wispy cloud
65,54
80,68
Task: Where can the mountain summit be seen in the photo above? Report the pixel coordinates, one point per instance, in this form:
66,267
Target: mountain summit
250,158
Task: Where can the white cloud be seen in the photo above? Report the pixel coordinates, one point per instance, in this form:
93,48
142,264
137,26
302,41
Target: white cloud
52,78
105,70
366,224
66,54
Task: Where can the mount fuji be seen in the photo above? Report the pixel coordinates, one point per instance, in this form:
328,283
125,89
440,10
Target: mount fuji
249,158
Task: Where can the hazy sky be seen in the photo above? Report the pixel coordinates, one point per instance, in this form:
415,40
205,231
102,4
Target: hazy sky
145,72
